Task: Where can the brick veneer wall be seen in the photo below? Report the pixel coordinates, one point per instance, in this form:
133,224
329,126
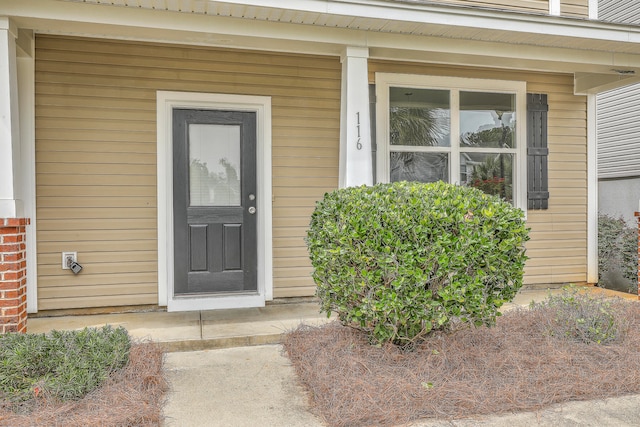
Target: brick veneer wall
13,275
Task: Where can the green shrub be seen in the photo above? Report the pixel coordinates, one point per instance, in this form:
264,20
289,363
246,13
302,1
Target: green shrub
62,364
617,252
581,317
400,260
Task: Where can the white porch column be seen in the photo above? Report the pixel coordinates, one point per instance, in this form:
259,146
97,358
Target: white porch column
592,190
13,262
10,204
26,98
356,164
554,7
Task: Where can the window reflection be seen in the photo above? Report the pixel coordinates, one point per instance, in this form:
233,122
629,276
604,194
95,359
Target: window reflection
214,159
491,173
487,120
419,117
421,167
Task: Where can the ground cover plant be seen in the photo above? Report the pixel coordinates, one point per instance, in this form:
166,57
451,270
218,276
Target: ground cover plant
401,260
80,378
64,365
527,361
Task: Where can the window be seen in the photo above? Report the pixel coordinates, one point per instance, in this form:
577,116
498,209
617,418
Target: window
464,131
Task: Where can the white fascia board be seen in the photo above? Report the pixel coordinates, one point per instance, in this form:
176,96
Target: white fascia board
457,16
401,12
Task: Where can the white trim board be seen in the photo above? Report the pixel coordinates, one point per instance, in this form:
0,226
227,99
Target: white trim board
26,89
261,105
592,189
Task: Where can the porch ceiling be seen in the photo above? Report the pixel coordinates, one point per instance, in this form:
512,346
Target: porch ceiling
606,54
413,18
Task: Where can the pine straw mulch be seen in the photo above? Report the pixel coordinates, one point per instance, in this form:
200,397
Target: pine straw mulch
514,366
133,396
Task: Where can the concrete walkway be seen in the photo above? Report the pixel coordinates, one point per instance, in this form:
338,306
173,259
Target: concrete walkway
256,386
226,369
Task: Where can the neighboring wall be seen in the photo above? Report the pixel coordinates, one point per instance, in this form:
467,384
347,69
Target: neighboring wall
619,198
557,248
96,157
619,131
622,11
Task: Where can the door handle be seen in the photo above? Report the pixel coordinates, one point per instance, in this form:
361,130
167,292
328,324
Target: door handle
252,210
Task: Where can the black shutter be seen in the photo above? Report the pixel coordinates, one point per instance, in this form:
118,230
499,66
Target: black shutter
537,152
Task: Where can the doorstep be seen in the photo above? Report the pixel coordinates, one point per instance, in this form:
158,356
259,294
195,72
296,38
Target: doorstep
197,330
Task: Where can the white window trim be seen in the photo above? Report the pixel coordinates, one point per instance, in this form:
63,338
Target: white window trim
386,80
261,105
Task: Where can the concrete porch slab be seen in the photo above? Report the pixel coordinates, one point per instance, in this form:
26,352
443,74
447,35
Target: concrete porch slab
197,330
201,330
157,326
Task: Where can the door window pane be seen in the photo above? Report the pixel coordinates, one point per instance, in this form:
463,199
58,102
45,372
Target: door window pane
491,173
214,165
422,167
487,119
419,117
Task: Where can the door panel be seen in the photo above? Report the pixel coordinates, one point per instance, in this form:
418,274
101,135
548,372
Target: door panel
214,188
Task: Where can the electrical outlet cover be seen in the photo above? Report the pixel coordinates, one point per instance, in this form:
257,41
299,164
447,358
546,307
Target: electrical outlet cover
68,258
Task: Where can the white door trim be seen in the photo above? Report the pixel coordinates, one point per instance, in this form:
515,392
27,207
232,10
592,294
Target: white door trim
261,105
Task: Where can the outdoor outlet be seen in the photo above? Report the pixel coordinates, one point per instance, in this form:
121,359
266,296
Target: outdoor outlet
68,258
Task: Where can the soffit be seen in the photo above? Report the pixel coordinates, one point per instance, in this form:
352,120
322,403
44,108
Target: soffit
417,19
600,55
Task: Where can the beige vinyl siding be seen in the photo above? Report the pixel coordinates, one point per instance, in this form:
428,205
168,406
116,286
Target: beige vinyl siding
557,248
96,157
571,8
574,8
532,6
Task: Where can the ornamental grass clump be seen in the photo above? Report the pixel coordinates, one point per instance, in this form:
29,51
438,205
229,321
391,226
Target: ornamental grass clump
63,365
582,317
401,260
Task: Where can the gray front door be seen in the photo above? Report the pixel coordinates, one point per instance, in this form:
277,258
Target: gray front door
214,201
